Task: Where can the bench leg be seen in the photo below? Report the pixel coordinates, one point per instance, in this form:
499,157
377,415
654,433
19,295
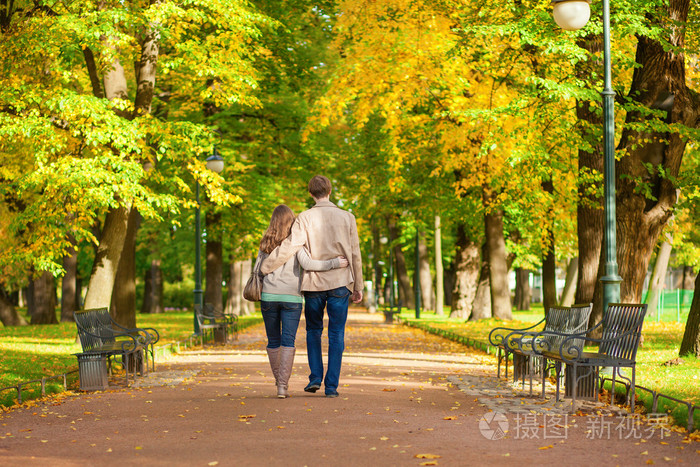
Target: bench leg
630,397
498,373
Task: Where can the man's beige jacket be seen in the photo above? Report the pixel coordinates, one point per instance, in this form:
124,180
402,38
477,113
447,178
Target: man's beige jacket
327,232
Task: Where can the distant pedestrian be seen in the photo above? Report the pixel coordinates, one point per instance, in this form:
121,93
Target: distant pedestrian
327,232
281,297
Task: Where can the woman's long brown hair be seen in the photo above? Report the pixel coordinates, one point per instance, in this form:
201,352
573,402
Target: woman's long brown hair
280,227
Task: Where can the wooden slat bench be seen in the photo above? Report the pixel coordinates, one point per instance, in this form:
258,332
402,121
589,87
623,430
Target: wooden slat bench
101,338
621,328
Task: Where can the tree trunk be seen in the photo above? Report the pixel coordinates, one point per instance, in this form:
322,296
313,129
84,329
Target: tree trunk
69,283
427,291
400,271
123,306
43,291
523,292
466,265
153,289
589,212
658,276
482,300
549,263
690,345
239,272
659,83
439,274
233,300
549,281
114,232
376,266
568,295
498,268
109,251
8,312
213,291
687,281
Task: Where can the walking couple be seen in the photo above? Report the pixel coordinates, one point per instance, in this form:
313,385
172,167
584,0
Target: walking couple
317,256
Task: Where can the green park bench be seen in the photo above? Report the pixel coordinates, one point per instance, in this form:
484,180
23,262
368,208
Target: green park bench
518,341
218,323
621,328
101,339
390,312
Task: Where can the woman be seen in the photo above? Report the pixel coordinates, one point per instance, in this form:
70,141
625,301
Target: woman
281,297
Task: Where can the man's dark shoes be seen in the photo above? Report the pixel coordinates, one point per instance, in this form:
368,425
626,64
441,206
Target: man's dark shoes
312,387
332,394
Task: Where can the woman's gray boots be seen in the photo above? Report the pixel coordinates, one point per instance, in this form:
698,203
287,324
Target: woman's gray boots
274,356
285,370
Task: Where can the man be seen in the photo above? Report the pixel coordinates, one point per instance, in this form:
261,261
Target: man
327,232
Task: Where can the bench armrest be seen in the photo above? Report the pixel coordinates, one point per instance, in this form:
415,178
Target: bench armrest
498,338
150,335
573,351
129,345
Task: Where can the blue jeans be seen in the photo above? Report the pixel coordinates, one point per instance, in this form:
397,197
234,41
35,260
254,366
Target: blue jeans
336,301
281,322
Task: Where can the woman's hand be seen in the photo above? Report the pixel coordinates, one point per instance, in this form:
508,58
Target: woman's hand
344,263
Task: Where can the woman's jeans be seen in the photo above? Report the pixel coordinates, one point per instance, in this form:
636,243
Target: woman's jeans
336,302
281,322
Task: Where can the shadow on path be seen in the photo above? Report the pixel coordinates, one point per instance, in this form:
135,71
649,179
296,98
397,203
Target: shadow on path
406,398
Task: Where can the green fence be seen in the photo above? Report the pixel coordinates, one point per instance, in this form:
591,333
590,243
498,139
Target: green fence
672,305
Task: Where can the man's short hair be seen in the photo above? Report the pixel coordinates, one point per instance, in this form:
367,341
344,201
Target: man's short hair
319,186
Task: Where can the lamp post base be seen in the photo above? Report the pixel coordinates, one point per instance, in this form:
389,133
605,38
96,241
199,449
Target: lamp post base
611,289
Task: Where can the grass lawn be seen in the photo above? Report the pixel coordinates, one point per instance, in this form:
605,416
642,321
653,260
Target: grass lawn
661,343
32,352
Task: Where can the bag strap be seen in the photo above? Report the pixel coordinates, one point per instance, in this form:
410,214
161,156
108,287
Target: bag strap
258,264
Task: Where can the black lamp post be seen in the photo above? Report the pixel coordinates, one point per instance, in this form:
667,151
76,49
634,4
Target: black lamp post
571,15
215,163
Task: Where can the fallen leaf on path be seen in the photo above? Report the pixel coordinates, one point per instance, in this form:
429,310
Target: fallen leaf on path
389,389
450,418
429,463
546,447
427,456
213,463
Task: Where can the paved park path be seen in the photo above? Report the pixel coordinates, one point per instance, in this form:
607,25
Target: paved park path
406,399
